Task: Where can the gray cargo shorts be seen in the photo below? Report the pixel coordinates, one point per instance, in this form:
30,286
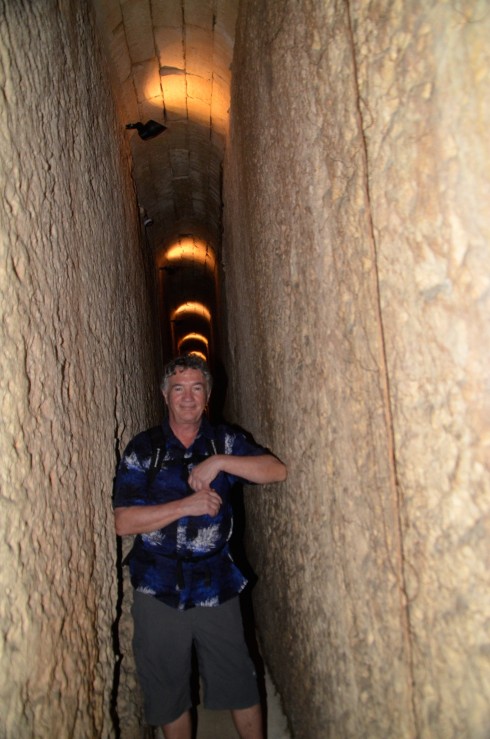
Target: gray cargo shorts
162,645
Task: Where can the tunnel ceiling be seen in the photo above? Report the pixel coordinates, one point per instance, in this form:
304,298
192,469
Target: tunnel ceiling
170,61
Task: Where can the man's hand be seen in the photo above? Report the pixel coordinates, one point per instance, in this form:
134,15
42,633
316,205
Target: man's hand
204,502
203,474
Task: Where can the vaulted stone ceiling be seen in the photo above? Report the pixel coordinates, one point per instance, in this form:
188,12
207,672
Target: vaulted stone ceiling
170,61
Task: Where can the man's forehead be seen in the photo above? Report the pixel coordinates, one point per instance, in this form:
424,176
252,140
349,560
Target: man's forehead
187,373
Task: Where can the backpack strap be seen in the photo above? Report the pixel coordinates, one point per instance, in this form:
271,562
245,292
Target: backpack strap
158,441
157,438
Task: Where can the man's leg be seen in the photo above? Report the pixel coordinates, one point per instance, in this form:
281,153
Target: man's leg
162,644
248,722
181,728
228,673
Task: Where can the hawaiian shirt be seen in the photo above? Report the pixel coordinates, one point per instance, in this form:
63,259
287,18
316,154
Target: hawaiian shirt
186,563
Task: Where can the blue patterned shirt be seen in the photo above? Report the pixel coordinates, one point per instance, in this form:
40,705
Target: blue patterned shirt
186,563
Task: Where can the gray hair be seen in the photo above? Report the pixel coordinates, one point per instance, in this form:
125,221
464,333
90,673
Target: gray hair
188,361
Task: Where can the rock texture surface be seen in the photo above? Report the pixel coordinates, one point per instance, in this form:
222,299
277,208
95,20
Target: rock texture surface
357,286
77,369
356,267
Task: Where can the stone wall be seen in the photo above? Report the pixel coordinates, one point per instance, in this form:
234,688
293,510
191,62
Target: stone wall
77,369
356,267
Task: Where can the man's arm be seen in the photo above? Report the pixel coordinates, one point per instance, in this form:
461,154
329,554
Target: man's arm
142,519
262,469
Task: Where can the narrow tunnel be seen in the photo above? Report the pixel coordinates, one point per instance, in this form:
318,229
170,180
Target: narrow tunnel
313,219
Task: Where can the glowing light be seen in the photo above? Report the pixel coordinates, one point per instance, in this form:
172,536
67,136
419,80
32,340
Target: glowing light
199,354
191,308
193,337
192,250
147,83
175,96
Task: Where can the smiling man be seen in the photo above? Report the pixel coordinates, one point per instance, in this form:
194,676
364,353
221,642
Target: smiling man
174,491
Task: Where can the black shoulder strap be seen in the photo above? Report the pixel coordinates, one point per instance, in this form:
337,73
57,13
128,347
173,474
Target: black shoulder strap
157,438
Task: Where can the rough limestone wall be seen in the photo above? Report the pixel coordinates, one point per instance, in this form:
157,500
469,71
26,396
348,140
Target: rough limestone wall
424,83
76,369
356,271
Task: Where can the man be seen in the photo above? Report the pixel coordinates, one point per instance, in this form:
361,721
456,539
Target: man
173,490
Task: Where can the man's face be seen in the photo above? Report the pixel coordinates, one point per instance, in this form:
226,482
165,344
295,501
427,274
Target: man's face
186,396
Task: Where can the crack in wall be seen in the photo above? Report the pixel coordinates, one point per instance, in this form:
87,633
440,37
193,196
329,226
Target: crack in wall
385,387
116,646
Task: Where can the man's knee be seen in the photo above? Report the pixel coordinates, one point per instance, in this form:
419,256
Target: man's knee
181,728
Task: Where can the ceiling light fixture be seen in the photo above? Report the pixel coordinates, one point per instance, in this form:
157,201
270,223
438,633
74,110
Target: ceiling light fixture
147,130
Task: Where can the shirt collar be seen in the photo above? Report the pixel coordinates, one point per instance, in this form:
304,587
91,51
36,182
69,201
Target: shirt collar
205,429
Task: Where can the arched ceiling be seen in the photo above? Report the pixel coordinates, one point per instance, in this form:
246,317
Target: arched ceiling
170,61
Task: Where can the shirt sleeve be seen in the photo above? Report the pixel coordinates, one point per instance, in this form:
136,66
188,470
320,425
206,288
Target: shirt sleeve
245,447
131,482
239,444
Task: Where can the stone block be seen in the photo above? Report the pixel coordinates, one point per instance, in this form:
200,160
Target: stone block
139,29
